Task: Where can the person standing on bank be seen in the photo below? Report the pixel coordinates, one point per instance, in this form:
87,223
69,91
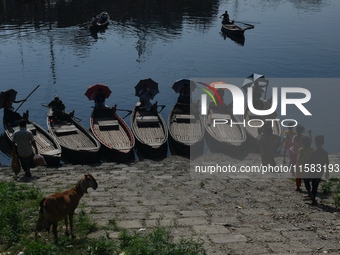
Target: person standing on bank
22,143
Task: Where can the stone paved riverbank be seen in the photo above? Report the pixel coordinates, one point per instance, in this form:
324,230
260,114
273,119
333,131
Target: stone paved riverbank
245,215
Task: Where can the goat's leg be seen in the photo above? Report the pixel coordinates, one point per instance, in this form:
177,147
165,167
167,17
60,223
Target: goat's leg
66,225
39,225
55,232
71,225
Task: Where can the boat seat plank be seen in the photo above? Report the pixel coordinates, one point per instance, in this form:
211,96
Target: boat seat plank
66,129
184,118
221,116
52,152
108,123
147,119
29,127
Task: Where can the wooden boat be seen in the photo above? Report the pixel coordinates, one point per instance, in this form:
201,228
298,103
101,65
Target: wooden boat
254,131
186,132
236,28
47,146
151,133
78,146
103,20
224,138
116,138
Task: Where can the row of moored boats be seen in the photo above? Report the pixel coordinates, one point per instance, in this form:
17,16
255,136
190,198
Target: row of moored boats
112,139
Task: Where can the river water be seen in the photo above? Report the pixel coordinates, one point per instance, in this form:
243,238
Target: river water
41,43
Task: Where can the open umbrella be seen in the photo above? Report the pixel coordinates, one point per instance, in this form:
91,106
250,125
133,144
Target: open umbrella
3,96
145,84
249,81
183,83
92,91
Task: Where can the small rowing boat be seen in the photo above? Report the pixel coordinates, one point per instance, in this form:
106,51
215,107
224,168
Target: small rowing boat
186,132
99,22
47,146
236,28
116,138
77,143
150,131
223,137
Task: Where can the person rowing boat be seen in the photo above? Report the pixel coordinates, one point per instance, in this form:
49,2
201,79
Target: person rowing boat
226,19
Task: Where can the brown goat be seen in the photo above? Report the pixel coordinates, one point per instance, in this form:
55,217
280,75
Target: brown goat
56,207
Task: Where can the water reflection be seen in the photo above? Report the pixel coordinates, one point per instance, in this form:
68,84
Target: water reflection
309,5
167,14
238,39
167,41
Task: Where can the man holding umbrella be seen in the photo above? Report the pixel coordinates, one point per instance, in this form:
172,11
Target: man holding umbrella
146,90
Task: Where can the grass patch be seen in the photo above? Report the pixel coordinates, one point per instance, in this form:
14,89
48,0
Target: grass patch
18,203
158,241
332,188
19,213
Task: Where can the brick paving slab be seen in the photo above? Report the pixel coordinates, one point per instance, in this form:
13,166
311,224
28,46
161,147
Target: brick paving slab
227,238
130,224
231,215
210,229
247,248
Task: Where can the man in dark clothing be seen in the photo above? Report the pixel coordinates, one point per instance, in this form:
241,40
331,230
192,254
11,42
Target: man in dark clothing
99,100
226,20
9,113
57,106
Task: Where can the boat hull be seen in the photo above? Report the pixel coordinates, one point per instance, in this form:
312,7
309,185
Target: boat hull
186,133
78,146
150,132
225,138
100,26
116,138
232,29
47,146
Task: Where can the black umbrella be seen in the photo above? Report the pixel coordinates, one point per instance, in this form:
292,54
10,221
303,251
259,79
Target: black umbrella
146,84
3,96
183,83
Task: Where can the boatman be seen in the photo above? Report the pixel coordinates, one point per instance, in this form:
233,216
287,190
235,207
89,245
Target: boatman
57,106
226,20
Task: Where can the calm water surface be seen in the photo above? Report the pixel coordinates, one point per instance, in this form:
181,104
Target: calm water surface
168,41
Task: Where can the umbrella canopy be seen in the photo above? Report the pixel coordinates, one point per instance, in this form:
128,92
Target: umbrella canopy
4,94
249,81
92,91
183,83
147,84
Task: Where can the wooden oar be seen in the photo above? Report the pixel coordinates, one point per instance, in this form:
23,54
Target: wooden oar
27,97
163,106
83,25
129,113
250,26
124,110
